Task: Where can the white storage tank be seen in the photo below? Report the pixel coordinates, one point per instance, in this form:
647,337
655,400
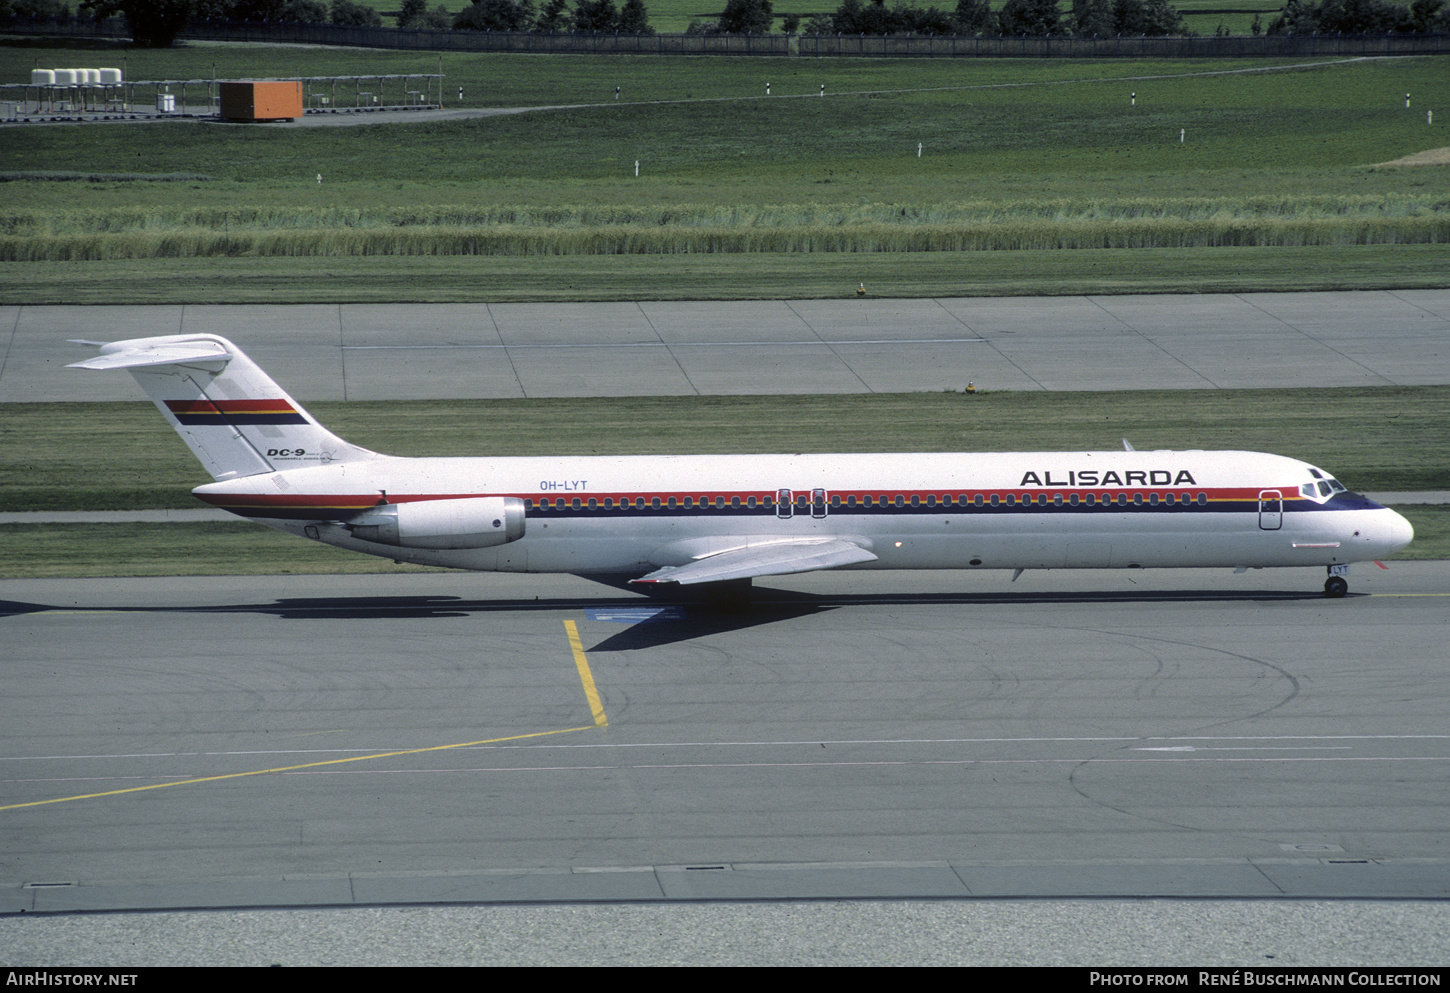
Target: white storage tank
110,77
42,77
92,77
65,77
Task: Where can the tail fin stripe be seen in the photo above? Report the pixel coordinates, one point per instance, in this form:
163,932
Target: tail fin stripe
193,412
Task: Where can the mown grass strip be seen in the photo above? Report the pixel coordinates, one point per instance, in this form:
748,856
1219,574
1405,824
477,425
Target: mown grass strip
121,456
759,276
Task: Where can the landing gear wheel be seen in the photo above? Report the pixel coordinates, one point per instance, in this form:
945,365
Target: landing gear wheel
1335,587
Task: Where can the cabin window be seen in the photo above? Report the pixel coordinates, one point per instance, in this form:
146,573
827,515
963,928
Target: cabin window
1137,499
851,500
672,504
576,503
593,504
654,503
900,500
1153,499
995,500
835,501
1057,499
1202,499
750,502
735,502
1122,499
1011,499
977,500
931,500
1091,499
1072,499
720,502
689,502
915,500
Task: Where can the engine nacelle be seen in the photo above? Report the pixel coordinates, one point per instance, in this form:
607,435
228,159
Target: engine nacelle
472,522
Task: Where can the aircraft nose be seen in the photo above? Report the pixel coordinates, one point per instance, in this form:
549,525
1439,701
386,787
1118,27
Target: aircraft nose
1398,532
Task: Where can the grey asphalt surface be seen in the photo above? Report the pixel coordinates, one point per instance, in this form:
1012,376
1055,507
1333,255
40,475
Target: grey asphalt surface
1178,850
400,352
1195,734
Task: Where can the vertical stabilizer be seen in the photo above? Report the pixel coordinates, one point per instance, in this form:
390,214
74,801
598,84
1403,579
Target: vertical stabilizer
236,420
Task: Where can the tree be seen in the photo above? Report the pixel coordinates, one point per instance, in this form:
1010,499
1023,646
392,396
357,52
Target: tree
495,15
1030,17
1093,18
1150,17
416,15
38,9
973,16
355,15
634,18
553,17
595,15
1430,15
152,23
1344,17
746,17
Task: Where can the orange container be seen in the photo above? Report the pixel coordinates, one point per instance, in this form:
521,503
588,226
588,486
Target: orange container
262,100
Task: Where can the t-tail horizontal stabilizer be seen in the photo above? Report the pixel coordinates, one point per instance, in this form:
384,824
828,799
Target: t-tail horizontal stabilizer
231,414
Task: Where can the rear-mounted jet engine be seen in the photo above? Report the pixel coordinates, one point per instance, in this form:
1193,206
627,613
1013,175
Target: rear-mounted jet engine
475,522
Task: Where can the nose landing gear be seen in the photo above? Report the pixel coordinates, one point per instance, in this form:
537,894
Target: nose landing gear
1335,587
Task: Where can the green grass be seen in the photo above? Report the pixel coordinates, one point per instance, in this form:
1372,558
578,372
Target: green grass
80,456
1016,155
751,276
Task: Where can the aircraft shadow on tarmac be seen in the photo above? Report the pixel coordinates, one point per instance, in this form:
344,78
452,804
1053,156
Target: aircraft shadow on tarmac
653,623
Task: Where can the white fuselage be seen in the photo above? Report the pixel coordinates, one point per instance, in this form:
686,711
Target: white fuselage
912,511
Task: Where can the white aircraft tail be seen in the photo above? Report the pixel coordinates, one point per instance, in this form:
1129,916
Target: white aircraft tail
236,420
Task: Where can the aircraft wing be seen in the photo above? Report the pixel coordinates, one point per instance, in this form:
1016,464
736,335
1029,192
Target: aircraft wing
775,559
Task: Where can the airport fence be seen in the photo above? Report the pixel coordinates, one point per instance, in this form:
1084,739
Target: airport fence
857,46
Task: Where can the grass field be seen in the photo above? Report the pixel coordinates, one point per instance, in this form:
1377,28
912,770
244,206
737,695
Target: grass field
120,456
1016,156
433,279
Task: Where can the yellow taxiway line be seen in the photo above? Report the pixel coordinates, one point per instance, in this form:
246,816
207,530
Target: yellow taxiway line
291,768
585,676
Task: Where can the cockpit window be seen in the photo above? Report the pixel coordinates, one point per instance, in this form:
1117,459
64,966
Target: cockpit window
1337,486
1316,473
1307,489
1324,489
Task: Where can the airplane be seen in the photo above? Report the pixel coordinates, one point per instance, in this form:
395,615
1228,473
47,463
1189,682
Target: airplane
718,521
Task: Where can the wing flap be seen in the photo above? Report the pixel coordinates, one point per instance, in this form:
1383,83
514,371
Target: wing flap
775,559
